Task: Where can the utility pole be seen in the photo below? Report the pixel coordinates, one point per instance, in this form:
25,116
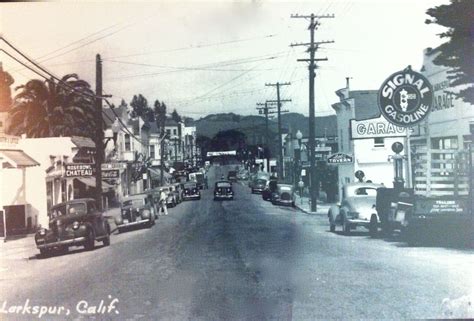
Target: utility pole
313,46
280,143
99,136
265,110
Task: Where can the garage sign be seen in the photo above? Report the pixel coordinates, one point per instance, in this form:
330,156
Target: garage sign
375,127
405,98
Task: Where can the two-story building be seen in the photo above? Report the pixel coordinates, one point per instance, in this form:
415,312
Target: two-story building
370,150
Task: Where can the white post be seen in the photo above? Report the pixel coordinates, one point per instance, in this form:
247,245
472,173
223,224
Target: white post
408,154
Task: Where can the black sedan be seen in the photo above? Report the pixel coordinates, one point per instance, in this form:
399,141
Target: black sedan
223,191
191,191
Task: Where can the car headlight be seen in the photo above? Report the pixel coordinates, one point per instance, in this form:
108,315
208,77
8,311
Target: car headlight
145,214
75,225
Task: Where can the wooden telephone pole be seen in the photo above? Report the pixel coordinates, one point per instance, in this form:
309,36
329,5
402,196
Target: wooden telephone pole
266,111
99,137
279,111
312,47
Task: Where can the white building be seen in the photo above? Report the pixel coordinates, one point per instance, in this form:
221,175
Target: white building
440,157
371,151
20,202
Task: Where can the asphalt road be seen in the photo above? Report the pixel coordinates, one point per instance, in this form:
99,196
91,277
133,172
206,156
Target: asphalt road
237,260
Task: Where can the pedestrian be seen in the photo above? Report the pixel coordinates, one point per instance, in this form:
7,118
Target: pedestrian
163,207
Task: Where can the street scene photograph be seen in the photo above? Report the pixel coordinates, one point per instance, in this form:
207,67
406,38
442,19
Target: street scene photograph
206,160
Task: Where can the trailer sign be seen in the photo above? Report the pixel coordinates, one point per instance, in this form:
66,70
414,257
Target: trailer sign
405,98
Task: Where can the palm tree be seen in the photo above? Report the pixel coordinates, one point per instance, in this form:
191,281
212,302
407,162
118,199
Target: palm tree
51,109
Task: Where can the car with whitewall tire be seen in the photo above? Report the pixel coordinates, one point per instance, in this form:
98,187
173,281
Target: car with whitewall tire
356,209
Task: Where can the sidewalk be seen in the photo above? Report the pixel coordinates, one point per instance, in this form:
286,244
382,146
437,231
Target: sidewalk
304,205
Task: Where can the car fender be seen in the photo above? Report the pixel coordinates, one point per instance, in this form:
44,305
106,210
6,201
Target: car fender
333,213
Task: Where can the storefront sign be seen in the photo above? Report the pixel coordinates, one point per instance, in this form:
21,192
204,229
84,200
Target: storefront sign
113,173
79,170
222,153
443,99
405,98
340,158
375,127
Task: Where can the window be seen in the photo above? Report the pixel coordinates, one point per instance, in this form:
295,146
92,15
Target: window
152,151
174,131
127,142
168,132
379,142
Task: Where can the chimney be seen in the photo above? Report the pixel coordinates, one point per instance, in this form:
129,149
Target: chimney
347,82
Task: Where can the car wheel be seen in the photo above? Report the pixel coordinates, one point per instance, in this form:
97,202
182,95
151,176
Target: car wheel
346,228
373,228
106,240
90,241
45,252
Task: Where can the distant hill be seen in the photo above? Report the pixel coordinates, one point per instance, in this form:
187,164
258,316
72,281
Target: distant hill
254,125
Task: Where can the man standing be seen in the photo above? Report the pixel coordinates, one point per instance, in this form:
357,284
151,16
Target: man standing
163,206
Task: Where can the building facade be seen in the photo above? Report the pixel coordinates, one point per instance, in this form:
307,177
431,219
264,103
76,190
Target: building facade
371,153
440,155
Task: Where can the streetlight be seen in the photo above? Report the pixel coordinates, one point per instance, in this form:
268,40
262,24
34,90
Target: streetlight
297,150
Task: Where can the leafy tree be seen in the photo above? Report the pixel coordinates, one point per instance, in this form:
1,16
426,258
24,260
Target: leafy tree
139,106
6,80
51,109
160,116
175,116
458,52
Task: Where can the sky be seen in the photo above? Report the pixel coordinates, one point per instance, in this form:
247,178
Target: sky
203,57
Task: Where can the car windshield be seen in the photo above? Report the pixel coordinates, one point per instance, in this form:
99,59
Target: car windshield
77,208
285,188
189,185
366,191
134,202
223,184
58,211
261,181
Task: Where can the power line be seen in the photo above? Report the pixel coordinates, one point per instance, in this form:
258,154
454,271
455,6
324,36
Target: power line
41,68
196,47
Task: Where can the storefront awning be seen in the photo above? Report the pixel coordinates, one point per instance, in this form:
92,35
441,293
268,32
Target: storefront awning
17,158
89,181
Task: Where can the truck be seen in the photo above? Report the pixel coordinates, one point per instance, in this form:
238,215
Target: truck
447,218
198,177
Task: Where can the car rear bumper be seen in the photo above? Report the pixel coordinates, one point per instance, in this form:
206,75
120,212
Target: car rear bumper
226,197
68,242
358,222
188,197
139,222
283,202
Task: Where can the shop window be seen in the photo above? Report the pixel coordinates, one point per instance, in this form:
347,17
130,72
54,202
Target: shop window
152,151
379,142
444,143
127,142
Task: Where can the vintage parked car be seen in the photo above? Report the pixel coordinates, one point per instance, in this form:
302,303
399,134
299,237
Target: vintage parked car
223,190
284,195
270,189
356,209
73,223
243,175
191,191
259,185
232,176
138,209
